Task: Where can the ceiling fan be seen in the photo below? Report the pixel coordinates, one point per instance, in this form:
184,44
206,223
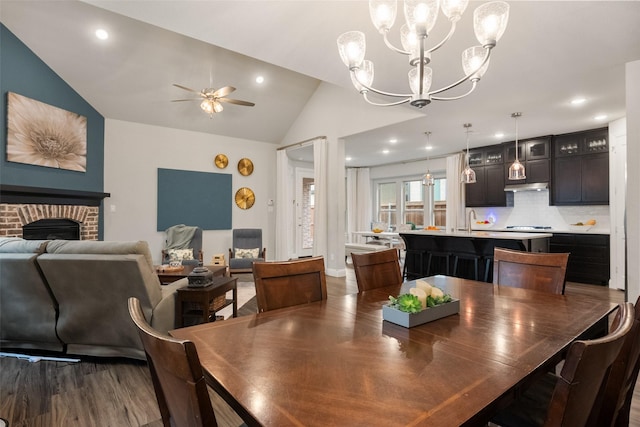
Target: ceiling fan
212,99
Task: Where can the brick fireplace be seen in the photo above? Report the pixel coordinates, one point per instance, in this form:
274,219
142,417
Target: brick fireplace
20,206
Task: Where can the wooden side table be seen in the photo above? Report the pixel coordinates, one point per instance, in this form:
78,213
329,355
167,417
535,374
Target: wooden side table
196,304
167,277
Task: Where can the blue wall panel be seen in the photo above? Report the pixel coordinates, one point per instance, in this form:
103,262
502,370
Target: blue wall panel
200,199
22,72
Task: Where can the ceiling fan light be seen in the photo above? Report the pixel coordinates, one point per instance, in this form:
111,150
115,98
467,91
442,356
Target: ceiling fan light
471,60
207,106
490,21
352,47
414,80
383,13
217,107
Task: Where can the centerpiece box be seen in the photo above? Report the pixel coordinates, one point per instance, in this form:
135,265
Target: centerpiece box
409,320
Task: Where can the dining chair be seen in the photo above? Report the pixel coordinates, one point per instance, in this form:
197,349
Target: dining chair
377,269
286,283
532,270
567,399
615,405
176,374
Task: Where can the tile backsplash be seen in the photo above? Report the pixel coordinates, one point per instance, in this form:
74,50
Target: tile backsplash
532,208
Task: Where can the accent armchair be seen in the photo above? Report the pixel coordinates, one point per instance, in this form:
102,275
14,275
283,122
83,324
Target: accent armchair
181,238
246,249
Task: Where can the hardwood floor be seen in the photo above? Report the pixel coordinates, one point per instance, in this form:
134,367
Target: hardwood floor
101,392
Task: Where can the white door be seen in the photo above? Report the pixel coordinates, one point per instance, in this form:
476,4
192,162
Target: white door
304,205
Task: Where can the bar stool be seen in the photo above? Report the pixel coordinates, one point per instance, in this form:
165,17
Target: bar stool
440,249
421,248
465,249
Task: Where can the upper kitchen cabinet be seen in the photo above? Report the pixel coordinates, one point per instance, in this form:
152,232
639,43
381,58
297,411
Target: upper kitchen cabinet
581,168
534,155
488,190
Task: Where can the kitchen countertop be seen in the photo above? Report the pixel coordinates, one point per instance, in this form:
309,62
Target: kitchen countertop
570,230
483,234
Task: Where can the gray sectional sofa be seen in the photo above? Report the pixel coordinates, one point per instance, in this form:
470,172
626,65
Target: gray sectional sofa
71,296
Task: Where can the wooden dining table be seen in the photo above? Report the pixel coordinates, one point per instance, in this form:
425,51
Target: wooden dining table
337,362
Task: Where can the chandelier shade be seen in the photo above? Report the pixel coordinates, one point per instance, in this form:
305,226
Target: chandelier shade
489,20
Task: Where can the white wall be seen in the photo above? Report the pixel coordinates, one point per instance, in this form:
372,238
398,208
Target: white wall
133,154
633,178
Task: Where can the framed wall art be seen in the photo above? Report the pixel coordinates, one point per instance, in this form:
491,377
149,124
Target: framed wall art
43,135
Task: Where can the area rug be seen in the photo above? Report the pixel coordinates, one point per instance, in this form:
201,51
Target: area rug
246,297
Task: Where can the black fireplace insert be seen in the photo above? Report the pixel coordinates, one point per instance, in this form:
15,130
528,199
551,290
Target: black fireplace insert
50,229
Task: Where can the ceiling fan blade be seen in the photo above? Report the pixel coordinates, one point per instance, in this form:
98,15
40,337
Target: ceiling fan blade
186,88
223,91
237,102
188,99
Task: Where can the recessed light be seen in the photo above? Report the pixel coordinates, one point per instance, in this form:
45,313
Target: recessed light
102,34
347,159
385,151
578,101
499,135
393,140
600,117
428,147
259,79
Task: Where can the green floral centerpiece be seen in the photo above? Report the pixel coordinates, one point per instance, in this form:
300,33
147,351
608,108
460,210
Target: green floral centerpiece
423,303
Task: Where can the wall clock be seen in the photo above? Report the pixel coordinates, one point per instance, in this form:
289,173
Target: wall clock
245,198
245,166
221,161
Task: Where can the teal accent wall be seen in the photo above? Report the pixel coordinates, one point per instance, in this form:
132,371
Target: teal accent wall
23,72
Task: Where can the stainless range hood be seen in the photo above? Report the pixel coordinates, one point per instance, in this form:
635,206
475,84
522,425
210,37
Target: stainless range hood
538,186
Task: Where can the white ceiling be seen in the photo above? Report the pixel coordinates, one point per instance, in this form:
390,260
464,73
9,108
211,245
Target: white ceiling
551,52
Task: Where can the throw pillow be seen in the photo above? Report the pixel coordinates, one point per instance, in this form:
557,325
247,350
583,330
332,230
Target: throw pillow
180,254
247,253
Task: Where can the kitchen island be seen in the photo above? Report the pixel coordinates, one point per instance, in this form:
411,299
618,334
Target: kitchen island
430,251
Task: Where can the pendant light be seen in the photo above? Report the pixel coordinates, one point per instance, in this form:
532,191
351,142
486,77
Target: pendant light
516,170
468,175
428,179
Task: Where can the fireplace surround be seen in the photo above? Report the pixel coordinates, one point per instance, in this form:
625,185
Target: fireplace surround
21,206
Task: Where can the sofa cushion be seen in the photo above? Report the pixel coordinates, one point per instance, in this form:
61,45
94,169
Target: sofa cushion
100,248
16,245
27,308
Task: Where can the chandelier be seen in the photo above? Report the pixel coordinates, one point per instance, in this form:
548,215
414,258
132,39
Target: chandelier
468,175
489,21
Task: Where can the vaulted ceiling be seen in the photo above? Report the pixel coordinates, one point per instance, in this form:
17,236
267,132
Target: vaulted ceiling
551,52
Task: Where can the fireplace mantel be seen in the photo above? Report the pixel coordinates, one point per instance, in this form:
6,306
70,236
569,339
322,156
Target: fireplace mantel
29,195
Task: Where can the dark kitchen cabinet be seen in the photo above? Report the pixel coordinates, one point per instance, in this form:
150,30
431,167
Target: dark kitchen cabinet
589,258
488,190
581,168
534,156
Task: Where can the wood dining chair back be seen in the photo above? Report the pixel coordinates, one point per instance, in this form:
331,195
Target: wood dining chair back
532,270
287,283
377,269
568,399
615,405
176,374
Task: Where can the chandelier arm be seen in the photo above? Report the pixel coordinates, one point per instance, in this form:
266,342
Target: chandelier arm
391,46
465,78
390,104
474,83
379,92
446,39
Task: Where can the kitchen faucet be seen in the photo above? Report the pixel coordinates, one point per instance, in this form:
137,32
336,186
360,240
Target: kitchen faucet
469,220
